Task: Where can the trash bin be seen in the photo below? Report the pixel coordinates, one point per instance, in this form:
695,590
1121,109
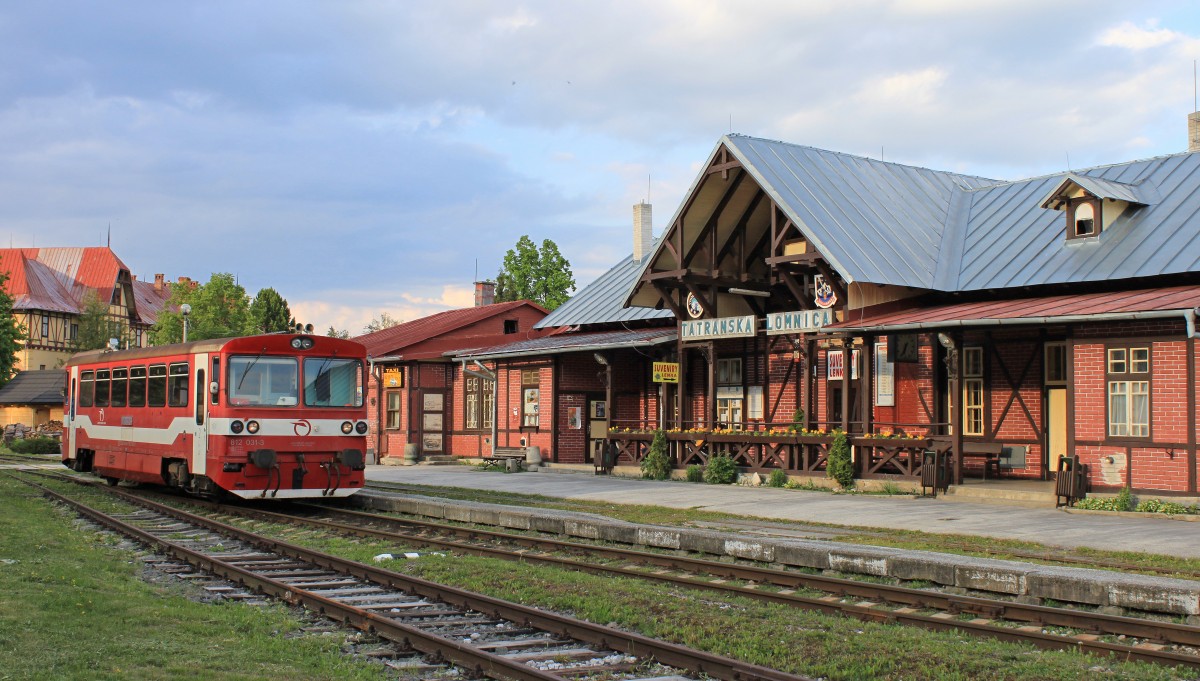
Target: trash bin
512,465
410,454
533,457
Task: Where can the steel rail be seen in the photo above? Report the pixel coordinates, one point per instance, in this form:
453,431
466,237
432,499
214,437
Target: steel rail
665,653
985,609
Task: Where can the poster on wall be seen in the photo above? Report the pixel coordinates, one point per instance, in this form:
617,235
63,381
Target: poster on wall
885,378
532,395
754,402
835,365
598,409
575,418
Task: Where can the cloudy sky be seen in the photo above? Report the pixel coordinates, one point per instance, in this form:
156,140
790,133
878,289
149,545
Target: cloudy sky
362,157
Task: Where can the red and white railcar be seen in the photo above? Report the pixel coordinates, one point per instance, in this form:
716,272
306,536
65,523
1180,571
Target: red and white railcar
275,416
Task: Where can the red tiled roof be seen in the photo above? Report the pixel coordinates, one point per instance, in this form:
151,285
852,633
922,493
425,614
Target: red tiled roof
1072,307
150,302
393,340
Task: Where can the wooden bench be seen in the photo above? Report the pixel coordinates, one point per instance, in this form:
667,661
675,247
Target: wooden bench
990,452
501,457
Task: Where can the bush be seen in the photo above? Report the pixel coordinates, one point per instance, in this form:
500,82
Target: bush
778,479
1150,506
840,467
657,464
36,445
720,470
1125,500
1122,502
695,473
797,421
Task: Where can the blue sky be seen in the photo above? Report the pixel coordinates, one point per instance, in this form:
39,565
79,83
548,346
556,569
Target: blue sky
361,157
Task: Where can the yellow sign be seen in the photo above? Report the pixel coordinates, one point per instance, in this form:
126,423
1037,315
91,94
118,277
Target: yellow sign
393,378
666,372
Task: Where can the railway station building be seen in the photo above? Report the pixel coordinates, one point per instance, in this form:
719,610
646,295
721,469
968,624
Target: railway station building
1025,330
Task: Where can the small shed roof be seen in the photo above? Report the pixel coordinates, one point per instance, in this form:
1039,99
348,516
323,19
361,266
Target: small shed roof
393,340
42,386
601,301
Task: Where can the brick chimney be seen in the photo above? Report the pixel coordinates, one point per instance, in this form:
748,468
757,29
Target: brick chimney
1194,131
158,282
643,230
485,293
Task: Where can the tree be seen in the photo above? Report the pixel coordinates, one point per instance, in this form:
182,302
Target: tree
337,333
95,325
383,321
270,313
529,273
220,309
11,333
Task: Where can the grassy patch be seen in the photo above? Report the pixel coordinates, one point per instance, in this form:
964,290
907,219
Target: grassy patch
73,607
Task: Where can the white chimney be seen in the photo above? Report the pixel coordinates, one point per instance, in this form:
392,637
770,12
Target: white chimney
1194,131
643,229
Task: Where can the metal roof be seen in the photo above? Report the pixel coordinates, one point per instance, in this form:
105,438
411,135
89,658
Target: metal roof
602,300
574,342
393,340
1081,307
43,386
1105,189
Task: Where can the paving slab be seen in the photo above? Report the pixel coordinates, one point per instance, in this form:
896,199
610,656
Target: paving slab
1051,527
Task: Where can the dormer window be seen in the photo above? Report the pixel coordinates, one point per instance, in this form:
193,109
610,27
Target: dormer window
1082,220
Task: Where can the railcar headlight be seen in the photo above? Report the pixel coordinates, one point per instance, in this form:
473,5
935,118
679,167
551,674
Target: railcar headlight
302,343
236,427
252,427
361,427
347,427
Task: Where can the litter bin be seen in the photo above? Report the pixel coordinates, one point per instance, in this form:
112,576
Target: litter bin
410,454
533,457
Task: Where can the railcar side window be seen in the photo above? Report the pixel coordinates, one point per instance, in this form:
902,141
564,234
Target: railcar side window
258,381
102,381
120,380
177,391
137,386
156,394
216,376
86,381
331,382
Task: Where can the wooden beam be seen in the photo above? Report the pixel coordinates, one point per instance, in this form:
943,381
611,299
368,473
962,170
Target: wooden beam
666,274
798,259
740,228
838,289
722,167
665,295
709,308
713,219
796,289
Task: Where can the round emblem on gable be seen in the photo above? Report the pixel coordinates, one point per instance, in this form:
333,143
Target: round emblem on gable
693,306
825,297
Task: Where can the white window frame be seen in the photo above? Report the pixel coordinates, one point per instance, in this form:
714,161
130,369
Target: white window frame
1128,399
974,396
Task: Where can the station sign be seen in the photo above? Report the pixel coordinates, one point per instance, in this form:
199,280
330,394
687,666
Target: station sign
393,378
666,372
723,327
800,321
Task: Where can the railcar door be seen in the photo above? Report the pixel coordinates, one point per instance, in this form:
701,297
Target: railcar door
68,433
200,426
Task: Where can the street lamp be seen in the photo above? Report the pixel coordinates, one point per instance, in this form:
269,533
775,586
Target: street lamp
185,310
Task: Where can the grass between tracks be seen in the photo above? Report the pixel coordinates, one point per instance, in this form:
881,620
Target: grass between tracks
970,545
72,606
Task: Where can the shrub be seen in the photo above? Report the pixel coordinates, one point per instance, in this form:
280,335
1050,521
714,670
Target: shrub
720,470
797,421
1122,502
840,467
36,445
695,473
1125,500
657,464
778,479
1150,506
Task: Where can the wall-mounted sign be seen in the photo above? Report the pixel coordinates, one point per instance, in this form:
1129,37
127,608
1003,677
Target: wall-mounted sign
902,347
666,372
730,392
825,297
694,308
885,378
801,321
724,327
836,365
393,378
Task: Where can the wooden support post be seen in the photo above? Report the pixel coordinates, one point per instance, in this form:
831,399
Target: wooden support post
955,401
847,356
712,385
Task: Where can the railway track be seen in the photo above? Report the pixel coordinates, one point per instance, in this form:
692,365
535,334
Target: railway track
427,621
1054,558
1048,628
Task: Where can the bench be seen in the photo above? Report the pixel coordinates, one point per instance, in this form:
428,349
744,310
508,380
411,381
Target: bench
606,458
501,456
990,452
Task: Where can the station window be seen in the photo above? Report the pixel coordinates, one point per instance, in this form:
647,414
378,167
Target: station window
730,396
973,391
156,387
393,409
177,388
530,398
137,386
120,381
471,403
87,381
45,326
102,385
1128,379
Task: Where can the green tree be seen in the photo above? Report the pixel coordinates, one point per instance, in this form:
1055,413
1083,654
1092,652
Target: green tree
383,321
220,309
529,273
337,333
270,312
11,333
839,465
96,327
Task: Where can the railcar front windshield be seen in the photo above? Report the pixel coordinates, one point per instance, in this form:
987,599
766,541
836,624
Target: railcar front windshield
332,382
258,381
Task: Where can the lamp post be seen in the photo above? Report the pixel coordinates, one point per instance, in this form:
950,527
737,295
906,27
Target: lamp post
185,310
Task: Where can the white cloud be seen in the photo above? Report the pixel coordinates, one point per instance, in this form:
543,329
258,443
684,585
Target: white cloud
1132,37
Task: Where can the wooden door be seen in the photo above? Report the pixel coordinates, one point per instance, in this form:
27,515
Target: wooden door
433,421
1056,427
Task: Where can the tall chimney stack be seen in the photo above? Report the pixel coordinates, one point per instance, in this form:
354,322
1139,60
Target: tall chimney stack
1194,131
158,282
643,229
485,293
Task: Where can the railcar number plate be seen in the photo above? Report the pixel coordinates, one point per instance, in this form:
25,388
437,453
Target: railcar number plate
247,443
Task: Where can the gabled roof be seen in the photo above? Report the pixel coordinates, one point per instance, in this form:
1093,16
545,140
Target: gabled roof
393,340
602,300
149,300
573,342
1104,189
34,286
35,387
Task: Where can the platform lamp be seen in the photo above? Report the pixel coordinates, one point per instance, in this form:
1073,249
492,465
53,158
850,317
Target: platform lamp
185,310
